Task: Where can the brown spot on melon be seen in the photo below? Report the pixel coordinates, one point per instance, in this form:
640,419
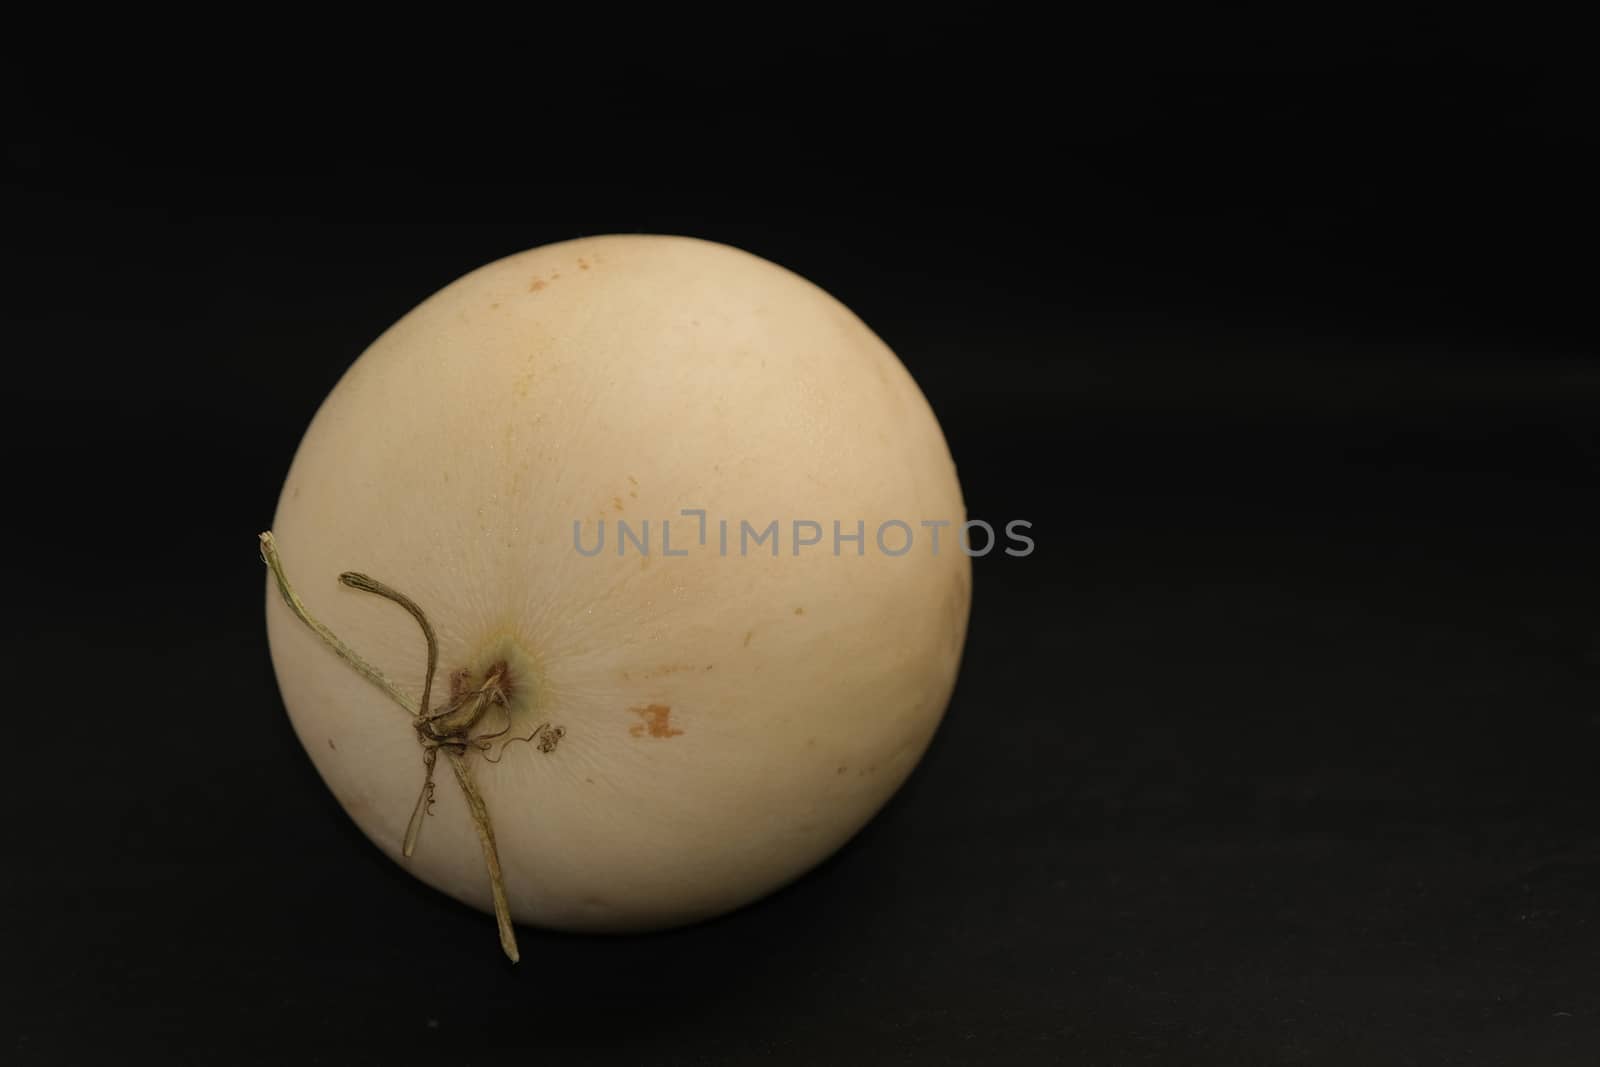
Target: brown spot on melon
657,721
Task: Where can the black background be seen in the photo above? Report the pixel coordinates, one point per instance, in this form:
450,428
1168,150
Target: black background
1280,748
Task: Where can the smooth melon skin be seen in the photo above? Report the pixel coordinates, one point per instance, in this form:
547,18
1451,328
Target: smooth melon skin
730,720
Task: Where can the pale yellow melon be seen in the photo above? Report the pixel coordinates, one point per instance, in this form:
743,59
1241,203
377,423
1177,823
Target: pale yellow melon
729,719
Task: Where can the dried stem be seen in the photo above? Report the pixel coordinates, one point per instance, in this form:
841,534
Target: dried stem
372,585
491,855
424,802
269,555
448,727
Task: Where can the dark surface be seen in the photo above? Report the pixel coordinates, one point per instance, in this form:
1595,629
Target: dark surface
1279,750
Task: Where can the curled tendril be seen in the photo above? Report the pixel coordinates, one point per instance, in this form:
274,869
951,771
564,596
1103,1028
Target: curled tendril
482,739
544,729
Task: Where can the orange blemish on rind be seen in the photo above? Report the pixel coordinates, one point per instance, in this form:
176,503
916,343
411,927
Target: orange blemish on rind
657,721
